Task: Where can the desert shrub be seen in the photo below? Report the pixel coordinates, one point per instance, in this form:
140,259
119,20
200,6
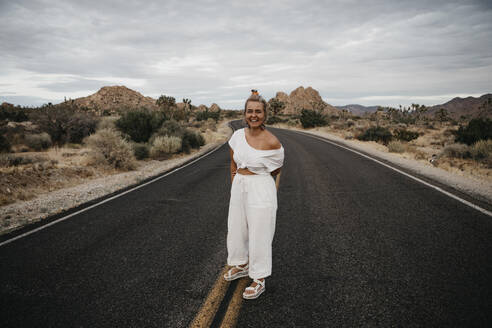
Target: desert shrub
210,124
396,147
109,147
405,135
80,126
165,145
38,141
274,120
140,124
205,115
7,160
171,128
13,113
292,122
377,133
457,150
190,140
4,144
477,129
141,151
481,149
230,113
310,119
106,123
63,125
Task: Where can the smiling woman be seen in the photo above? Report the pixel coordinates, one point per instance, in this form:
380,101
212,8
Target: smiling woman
257,155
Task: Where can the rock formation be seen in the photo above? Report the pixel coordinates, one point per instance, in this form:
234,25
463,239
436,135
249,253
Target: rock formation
301,98
201,108
214,108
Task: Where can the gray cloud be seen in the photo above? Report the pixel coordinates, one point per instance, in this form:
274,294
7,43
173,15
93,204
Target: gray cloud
348,51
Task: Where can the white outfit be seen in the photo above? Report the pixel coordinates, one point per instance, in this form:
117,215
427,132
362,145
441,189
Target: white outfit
252,207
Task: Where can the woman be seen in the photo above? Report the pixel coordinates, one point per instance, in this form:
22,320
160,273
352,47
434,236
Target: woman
256,159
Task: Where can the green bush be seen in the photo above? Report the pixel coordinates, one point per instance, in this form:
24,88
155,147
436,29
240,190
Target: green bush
405,135
231,113
38,141
190,140
311,119
477,129
140,124
171,128
13,113
63,124
4,144
7,160
377,133
80,126
274,120
141,151
205,115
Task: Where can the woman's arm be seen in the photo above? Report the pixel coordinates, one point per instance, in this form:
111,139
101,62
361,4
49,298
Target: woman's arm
233,165
276,176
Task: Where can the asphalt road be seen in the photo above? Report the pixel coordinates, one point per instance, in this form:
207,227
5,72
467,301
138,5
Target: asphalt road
356,244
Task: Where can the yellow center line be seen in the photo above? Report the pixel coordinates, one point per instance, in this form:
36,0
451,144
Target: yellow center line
230,317
207,312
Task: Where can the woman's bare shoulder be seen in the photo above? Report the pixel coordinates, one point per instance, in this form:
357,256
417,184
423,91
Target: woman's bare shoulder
273,142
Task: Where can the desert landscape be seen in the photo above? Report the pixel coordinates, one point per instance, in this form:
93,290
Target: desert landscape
117,130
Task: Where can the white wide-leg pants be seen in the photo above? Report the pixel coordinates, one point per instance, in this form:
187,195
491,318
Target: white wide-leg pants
251,223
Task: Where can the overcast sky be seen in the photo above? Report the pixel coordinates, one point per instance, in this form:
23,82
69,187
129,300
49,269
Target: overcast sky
365,52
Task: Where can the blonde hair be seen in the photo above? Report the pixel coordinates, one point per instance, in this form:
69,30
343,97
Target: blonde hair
255,96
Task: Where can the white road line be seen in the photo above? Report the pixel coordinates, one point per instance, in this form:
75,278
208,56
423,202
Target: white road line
106,200
476,207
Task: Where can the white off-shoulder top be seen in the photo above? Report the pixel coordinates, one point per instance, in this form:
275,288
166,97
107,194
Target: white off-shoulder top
256,160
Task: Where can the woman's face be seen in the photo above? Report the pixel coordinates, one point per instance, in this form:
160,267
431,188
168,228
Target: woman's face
255,115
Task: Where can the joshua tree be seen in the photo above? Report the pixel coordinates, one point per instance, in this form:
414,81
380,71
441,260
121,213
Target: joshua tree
167,104
187,104
276,106
442,114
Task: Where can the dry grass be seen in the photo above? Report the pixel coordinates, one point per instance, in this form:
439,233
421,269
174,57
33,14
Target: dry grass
396,147
109,148
163,146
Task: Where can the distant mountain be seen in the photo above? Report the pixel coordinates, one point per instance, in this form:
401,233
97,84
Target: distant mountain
469,107
113,97
357,109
